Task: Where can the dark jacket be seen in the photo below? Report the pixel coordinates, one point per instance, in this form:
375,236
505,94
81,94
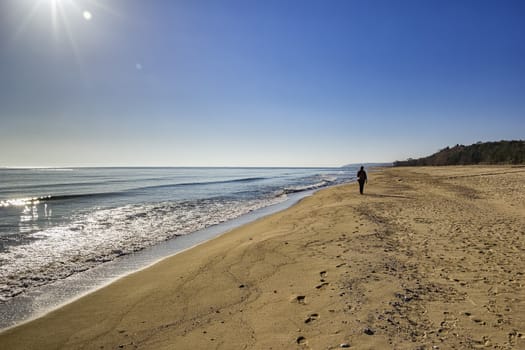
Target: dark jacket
361,175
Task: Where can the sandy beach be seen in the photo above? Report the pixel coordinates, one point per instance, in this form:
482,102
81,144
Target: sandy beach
427,258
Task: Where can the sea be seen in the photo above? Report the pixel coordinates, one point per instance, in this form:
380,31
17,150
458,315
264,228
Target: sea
64,231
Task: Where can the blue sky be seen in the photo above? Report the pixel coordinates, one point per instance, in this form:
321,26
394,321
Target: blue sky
255,83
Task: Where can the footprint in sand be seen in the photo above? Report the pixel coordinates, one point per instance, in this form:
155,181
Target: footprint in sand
322,274
301,340
475,319
478,321
322,285
300,299
311,317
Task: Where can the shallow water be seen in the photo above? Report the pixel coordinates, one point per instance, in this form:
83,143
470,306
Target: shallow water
42,299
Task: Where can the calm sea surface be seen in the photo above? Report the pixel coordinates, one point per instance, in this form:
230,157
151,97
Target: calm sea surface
55,223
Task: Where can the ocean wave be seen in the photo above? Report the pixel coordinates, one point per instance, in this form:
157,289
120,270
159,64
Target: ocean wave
18,187
106,234
218,182
323,183
11,202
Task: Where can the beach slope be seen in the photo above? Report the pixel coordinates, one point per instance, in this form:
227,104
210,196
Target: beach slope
428,258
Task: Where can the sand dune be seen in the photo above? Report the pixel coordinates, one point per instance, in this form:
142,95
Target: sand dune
428,258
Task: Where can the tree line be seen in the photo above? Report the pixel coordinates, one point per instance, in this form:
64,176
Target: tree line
501,152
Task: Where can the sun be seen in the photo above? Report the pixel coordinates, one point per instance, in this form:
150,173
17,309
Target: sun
62,18
87,15
63,11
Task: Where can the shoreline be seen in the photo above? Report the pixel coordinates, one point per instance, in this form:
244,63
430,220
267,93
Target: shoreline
44,299
428,258
55,228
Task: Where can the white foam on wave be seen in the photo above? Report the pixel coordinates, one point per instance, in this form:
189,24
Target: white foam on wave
305,187
105,234
325,180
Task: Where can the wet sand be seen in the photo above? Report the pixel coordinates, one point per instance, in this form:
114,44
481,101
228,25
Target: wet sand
428,258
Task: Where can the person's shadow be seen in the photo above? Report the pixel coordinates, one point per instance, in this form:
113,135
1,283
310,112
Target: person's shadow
386,195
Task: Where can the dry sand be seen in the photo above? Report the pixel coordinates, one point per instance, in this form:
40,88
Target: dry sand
428,258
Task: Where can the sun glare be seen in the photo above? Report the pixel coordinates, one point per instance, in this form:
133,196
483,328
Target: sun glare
63,19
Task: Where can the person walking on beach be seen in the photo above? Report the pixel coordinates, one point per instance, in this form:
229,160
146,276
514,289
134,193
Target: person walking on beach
361,178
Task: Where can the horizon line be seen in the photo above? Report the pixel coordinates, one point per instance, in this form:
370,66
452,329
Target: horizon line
65,167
